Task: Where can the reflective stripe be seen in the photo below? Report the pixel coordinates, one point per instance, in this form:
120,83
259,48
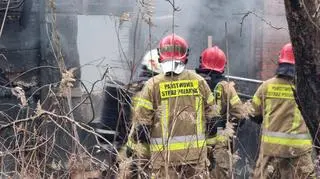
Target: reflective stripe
287,142
294,140
234,100
177,139
216,139
142,148
210,99
296,120
178,146
217,96
130,144
286,135
218,91
280,91
164,118
178,142
219,106
256,100
267,114
143,103
199,107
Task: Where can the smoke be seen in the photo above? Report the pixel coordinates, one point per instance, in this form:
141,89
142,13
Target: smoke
196,20
211,19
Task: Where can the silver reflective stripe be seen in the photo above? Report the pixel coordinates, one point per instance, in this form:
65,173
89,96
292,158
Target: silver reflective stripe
285,135
176,139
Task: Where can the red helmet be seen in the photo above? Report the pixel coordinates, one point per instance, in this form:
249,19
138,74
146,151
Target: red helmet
173,47
213,58
286,54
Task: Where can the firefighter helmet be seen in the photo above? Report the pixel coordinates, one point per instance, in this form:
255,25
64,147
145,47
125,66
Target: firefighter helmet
286,54
213,58
151,62
173,47
173,52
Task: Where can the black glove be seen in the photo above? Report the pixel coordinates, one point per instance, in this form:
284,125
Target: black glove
143,134
257,119
213,124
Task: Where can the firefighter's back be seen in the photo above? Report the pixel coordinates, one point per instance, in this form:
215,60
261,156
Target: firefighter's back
282,121
177,134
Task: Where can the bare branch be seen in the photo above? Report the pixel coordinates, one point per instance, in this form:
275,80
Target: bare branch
246,14
4,18
309,15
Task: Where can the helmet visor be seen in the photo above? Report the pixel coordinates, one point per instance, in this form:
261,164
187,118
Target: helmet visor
173,52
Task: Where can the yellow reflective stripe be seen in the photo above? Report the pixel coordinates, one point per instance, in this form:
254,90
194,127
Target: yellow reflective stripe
210,99
234,100
130,143
256,100
143,103
141,147
218,91
178,146
219,106
267,114
287,141
164,118
280,91
296,120
218,96
199,107
216,139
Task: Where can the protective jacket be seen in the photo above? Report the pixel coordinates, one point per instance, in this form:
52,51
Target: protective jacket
284,132
137,144
222,92
175,108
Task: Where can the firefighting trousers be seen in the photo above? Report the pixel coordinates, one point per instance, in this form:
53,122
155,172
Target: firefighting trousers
134,168
192,171
222,164
283,168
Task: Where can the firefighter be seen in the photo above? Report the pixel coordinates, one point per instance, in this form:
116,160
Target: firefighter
133,149
212,64
114,123
285,150
170,112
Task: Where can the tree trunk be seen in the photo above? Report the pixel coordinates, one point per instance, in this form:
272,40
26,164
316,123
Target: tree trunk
304,26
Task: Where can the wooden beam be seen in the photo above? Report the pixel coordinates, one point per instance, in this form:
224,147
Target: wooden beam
209,41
